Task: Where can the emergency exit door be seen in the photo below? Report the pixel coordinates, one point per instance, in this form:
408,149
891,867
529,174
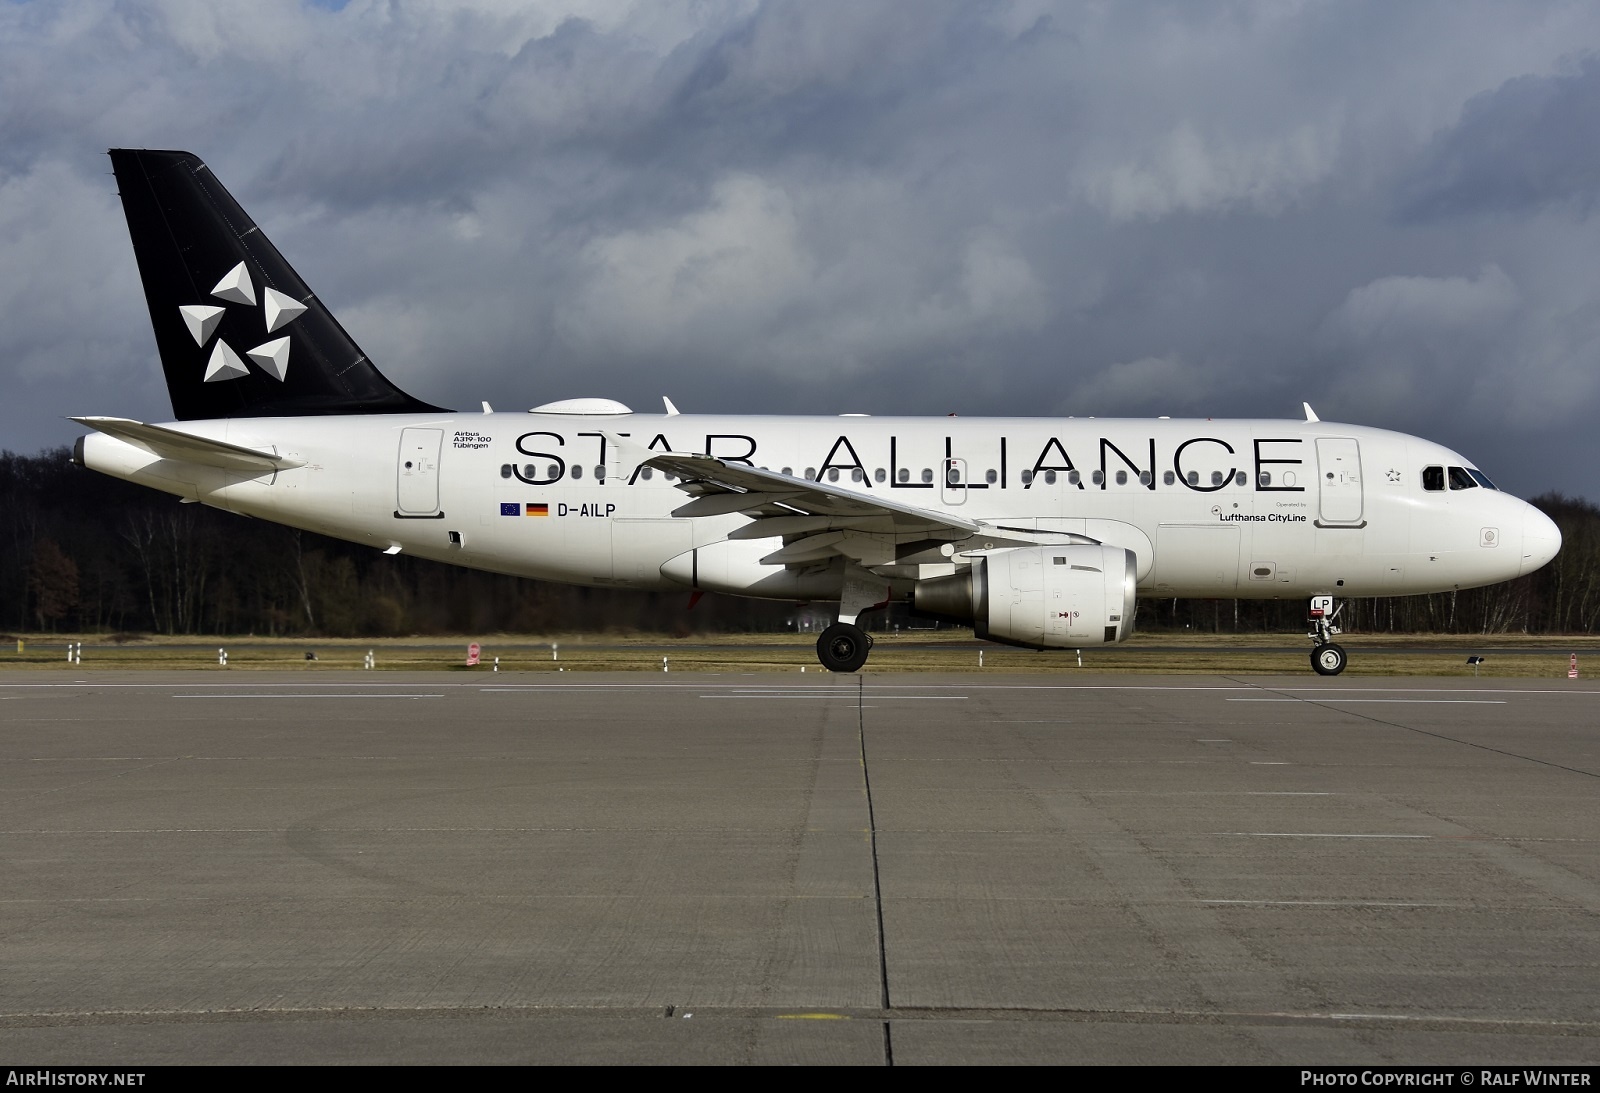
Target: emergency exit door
953,482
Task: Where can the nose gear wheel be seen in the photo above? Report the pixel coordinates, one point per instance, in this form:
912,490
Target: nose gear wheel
1328,659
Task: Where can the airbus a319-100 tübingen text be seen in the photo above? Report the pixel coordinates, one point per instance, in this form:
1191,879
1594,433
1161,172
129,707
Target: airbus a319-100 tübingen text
1039,532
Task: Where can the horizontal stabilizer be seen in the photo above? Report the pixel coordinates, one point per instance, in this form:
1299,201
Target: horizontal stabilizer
184,448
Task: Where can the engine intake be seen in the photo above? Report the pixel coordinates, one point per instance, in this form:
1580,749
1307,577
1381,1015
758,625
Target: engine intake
1050,597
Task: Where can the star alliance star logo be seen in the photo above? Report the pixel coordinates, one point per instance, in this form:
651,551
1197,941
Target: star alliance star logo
1393,475
278,309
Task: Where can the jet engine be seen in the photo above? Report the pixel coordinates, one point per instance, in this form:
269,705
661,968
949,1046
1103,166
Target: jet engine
1044,597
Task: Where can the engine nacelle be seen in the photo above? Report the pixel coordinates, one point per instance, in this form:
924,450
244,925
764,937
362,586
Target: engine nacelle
1046,597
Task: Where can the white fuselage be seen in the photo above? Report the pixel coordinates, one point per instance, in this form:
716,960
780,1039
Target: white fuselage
1244,508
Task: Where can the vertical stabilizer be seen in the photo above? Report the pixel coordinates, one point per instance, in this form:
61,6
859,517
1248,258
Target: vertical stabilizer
240,334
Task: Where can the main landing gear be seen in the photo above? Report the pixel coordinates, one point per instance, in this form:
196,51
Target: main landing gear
843,647
1327,658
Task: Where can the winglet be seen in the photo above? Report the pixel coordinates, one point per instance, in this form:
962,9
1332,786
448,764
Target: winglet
672,411
629,454
1311,415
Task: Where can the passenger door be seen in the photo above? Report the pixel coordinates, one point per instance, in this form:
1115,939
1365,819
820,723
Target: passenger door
417,484
1339,476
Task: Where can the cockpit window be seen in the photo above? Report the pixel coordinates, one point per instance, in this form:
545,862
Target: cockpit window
1433,478
1481,479
1461,480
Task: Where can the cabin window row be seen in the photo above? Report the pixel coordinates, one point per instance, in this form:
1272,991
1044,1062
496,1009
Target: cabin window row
575,472
1049,478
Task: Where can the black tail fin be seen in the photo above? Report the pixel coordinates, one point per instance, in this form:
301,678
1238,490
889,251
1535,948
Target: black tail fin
240,334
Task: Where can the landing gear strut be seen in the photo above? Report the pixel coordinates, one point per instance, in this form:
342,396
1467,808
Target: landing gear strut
1327,658
843,647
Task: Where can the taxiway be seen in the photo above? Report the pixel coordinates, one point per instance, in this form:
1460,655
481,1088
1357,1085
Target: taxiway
279,867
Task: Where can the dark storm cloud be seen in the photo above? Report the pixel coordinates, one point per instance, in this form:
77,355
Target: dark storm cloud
1528,144
1003,207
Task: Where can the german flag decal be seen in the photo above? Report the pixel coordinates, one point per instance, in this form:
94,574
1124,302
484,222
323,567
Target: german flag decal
538,509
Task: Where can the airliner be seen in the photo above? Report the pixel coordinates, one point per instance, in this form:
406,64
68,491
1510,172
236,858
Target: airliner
1038,532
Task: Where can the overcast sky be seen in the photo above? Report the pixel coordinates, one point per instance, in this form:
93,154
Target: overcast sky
1209,209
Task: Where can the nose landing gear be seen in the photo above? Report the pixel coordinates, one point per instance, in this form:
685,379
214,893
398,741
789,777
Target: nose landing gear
1327,658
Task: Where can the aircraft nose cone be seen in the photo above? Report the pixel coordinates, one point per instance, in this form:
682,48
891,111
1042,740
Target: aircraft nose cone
1541,539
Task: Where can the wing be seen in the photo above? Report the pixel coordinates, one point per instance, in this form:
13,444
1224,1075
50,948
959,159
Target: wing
817,520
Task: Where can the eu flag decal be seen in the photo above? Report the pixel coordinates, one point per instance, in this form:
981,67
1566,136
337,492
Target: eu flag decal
510,508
